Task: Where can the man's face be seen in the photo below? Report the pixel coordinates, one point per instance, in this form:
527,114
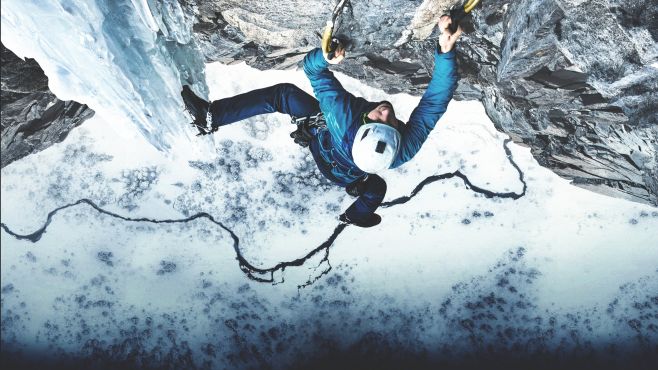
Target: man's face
384,113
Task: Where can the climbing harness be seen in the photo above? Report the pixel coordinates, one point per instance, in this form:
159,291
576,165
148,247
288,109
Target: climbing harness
305,126
330,43
459,13
308,128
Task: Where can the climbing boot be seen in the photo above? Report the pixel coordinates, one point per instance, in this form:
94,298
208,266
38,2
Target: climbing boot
199,109
372,220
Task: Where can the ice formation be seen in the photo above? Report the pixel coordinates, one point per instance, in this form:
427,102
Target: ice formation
126,59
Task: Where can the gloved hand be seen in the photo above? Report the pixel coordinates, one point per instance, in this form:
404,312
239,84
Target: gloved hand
332,48
447,39
337,55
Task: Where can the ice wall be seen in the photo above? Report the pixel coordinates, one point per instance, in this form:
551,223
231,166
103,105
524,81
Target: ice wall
126,59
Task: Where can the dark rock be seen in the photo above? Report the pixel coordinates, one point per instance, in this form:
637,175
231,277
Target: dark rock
32,117
575,81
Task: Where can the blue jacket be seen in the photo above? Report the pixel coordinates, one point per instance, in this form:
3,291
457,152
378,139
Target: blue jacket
343,111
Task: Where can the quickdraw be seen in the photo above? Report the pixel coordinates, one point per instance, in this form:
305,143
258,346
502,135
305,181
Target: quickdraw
305,125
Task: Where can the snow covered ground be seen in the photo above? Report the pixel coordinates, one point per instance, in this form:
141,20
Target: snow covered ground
450,275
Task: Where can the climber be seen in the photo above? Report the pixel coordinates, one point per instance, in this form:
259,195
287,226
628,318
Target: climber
350,138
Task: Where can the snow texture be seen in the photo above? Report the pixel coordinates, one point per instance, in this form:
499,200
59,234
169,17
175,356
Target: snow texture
136,265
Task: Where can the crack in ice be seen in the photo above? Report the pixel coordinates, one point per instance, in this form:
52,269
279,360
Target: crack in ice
266,275
467,182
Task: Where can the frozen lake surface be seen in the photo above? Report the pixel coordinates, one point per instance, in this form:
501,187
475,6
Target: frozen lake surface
449,276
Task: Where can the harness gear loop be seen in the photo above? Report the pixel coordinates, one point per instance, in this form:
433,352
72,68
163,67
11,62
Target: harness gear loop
305,125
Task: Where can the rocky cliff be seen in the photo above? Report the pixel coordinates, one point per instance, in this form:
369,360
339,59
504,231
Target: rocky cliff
574,80
33,118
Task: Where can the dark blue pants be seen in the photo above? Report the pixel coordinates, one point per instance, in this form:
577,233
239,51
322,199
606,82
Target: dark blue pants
289,99
282,98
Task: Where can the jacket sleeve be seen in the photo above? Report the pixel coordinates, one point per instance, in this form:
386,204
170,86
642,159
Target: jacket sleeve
334,99
431,107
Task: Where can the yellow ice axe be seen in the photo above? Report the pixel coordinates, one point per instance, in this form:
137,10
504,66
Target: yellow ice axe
329,42
470,5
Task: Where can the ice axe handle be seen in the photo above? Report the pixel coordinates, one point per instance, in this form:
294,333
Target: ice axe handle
327,36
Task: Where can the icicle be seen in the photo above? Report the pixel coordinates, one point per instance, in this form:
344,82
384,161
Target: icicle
144,12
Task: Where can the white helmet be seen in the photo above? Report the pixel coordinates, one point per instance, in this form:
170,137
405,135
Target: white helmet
375,147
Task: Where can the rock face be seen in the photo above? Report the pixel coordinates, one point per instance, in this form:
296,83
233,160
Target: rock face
32,117
576,81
